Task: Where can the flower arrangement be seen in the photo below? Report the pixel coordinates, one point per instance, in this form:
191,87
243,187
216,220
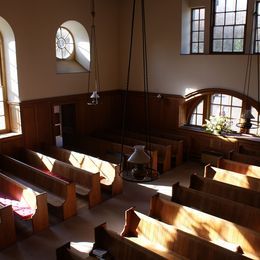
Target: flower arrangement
218,124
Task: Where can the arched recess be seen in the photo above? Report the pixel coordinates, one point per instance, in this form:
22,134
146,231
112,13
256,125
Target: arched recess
10,78
81,58
241,103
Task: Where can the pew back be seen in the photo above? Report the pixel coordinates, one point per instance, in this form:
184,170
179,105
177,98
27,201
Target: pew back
209,227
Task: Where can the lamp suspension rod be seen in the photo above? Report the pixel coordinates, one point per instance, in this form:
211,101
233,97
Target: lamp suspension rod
127,82
93,50
145,70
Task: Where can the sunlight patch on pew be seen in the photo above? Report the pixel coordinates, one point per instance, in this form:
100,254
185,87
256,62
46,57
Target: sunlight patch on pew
163,189
48,162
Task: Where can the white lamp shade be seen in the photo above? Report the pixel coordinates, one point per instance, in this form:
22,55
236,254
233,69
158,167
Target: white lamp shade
139,156
94,95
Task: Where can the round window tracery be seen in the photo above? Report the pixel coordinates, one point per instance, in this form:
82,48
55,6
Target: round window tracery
64,44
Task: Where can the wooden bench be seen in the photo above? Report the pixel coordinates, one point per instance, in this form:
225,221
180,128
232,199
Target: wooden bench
239,167
163,151
87,183
244,158
165,239
27,204
236,212
109,172
176,144
209,227
231,177
224,190
117,247
61,195
7,226
110,151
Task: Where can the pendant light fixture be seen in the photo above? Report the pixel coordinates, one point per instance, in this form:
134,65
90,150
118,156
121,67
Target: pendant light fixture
140,160
93,76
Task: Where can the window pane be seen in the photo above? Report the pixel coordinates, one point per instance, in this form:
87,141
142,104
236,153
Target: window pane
219,19
227,45
218,31
201,36
241,4
231,5
2,123
217,45
2,112
215,110
195,36
194,47
225,111
216,99
201,47
199,120
202,13
238,45
195,14
236,112
239,32
226,100
230,18
236,102
228,32
220,5
202,25
193,120
1,94
195,26
240,17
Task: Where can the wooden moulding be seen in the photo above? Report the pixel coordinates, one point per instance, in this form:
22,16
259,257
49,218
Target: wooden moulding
231,177
109,172
7,227
239,167
36,201
225,190
165,239
219,231
90,182
65,206
236,212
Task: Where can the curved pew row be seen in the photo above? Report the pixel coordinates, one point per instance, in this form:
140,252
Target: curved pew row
27,204
87,183
164,239
238,213
7,226
231,177
219,231
224,190
109,172
61,195
244,158
239,167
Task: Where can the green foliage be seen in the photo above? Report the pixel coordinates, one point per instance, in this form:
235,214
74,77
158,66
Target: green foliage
218,124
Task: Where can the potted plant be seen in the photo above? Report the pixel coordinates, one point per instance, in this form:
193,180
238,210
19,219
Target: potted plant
218,124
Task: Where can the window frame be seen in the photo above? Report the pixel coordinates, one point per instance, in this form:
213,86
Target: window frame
193,100
191,30
213,17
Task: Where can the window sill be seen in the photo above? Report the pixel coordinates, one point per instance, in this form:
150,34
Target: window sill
248,137
9,135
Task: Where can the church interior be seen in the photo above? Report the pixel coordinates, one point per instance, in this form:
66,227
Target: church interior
129,129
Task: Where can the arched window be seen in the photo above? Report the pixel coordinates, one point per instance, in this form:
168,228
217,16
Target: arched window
72,48
10,120
214,102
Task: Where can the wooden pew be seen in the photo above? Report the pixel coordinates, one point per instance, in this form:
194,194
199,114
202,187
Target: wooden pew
176,144
109,172
236,212
164,151
118,247
28,204
165,239
218,231
61,195
87,183
224,190
244,158
232,178
239,167
7,226
109,151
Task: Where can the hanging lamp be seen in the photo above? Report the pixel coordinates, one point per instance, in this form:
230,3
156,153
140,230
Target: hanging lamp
140,169
93,76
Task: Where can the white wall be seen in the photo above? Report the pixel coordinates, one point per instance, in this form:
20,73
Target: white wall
35,23
169,71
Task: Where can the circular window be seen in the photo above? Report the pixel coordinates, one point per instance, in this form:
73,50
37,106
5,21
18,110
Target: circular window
64,44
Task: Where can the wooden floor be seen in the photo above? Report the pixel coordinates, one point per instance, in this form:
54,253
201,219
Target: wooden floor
81,227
